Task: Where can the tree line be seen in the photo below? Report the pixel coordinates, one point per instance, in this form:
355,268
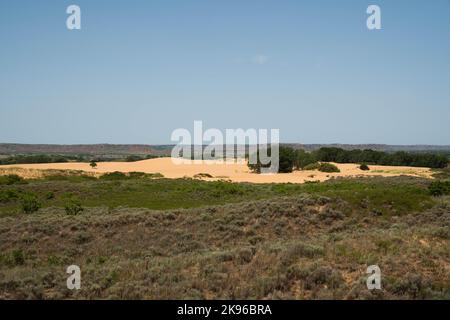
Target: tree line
38,158
399,158
291,159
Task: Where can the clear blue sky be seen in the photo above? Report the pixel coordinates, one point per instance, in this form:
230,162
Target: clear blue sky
137,70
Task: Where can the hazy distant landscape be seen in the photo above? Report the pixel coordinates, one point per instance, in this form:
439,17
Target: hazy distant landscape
164,150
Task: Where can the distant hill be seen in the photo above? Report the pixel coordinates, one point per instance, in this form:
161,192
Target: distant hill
165,150
84,149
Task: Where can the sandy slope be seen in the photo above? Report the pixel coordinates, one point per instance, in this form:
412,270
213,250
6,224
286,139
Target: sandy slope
237,172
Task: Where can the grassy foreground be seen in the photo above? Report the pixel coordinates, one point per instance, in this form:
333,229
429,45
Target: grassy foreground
135,240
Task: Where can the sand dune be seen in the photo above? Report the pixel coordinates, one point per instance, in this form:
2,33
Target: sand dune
236,172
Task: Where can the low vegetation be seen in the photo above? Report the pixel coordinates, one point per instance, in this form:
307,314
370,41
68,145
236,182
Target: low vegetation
141,236
439,188
304,246
141,190
11,179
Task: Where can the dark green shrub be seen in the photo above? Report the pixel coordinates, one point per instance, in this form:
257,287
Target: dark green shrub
439,188
116,175
202,175
17,257
73,207
50,195
364,167
312,166
12,259
8,195
11,179
137,174
328,167
30,203
154,175
133,158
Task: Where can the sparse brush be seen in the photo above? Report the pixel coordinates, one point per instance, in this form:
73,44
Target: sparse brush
328,167
30,203
73,207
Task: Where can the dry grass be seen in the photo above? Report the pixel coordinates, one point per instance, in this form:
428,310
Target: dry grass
291,247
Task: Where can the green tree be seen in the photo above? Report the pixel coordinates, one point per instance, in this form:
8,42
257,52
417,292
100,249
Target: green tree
303,159
287,159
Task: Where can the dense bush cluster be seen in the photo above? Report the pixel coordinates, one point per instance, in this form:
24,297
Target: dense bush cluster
364,167
328,167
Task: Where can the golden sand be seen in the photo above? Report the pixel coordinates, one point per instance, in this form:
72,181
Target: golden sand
236,172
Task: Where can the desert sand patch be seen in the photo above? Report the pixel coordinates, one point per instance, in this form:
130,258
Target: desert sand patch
235,172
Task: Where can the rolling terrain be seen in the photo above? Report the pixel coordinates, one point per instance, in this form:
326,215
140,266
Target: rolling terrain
140,237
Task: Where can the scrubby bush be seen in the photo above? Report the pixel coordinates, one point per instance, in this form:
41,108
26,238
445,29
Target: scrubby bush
328,167
50,195
12,259
439,188
11,179
30,203
202,175
364,167
73,207
154,175
93,164
312,166
116,175
8,195
137,174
